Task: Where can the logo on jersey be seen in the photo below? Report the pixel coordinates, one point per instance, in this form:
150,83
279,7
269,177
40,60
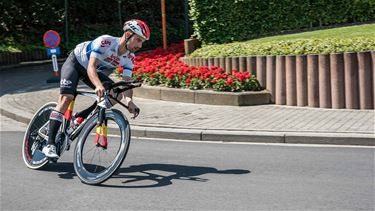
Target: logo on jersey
113,59
131,57
105,43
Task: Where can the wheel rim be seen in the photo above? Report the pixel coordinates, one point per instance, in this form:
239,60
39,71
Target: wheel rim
95,164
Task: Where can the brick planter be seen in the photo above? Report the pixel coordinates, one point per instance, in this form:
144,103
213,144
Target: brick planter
203,96
342,80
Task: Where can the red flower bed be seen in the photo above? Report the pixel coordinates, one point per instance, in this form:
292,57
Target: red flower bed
162,67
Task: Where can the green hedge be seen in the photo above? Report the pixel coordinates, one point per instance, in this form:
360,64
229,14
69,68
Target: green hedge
288,47
217,21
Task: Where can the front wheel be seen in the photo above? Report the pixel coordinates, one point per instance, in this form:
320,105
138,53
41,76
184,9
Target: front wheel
35,137
95,163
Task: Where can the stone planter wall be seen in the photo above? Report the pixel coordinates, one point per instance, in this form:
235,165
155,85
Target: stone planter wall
7,58
203,96
344,80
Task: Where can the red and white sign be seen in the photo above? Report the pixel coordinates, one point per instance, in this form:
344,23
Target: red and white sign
51,39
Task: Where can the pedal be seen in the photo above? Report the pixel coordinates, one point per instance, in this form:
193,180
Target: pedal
53,160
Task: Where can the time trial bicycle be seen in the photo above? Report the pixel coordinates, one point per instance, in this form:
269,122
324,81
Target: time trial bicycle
103,137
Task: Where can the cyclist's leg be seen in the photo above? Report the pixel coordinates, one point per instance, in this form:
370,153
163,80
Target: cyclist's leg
68,86
57,116
102,77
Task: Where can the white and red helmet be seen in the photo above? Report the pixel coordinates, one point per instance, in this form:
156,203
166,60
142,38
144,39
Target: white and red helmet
138,27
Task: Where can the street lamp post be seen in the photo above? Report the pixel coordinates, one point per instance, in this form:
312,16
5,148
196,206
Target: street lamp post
164,24
186,16
119,13
66,23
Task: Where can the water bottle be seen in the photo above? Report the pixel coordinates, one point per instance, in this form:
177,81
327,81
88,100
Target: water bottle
74,124
77,121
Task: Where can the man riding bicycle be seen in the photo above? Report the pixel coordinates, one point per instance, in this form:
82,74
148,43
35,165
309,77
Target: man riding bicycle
92,62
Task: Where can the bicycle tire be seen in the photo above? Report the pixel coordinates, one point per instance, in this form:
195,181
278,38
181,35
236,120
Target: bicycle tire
38,120
85,175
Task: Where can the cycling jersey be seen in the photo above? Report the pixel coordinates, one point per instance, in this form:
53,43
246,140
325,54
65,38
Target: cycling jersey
105,49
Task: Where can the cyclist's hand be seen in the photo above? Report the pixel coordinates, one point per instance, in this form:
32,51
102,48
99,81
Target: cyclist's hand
99,90
133,109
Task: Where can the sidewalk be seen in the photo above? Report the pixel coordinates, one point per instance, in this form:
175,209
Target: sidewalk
161,119
29,64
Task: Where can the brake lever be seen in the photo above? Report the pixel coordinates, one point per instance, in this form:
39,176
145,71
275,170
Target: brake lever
136,84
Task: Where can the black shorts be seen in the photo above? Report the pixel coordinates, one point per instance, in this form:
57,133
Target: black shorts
72,72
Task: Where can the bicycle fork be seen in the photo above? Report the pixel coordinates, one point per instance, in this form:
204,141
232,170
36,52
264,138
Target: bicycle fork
101,130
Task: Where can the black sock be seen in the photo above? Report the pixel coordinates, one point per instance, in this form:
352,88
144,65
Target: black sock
85,113
55,121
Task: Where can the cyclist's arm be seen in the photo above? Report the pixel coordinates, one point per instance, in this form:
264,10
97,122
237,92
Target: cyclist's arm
128,94
127,76
91,71
94,78
99,48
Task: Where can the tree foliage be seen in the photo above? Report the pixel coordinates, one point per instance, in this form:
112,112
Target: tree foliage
23,23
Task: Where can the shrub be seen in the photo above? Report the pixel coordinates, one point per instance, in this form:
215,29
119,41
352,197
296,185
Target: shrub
236,20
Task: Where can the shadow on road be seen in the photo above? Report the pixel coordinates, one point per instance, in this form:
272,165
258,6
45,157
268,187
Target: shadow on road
65,170
149,175
158,175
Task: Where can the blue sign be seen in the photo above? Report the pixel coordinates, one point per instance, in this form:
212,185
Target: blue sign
51,51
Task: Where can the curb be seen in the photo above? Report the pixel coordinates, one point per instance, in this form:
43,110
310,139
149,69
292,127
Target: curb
253,136
237,136
29,64
14,116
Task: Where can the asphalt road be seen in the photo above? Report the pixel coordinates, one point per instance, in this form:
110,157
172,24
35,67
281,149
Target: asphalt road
171,175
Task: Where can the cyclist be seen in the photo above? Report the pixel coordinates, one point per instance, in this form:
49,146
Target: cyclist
92,62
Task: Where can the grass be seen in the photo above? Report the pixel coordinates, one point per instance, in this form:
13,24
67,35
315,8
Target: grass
337,40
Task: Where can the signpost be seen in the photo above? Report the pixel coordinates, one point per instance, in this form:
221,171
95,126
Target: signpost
52,40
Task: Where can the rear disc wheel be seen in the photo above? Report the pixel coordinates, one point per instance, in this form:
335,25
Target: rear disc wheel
33,142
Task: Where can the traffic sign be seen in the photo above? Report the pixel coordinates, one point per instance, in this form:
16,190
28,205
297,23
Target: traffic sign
51,39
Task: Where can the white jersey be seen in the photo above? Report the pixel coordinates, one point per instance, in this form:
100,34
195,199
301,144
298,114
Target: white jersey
105,48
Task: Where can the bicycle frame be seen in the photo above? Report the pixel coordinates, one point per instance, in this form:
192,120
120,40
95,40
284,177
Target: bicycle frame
68,115
101,128
67,119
